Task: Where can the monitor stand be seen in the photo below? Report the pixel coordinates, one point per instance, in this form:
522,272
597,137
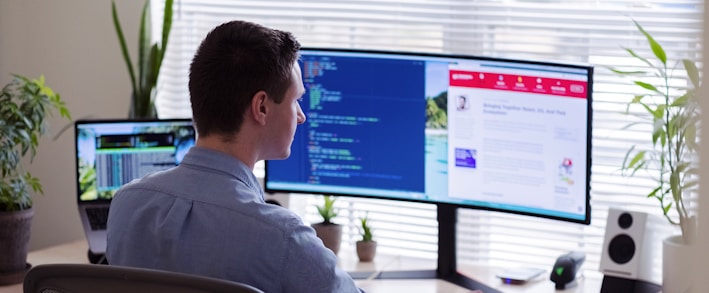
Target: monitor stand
447,260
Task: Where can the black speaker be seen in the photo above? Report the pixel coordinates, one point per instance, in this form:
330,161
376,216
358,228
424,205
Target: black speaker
627,256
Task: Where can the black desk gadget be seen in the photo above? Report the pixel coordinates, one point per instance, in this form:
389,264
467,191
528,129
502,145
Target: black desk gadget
565,269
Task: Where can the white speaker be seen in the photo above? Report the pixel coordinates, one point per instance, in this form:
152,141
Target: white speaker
629,246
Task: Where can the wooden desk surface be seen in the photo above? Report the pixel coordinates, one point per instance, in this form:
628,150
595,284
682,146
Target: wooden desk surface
76,252
72,252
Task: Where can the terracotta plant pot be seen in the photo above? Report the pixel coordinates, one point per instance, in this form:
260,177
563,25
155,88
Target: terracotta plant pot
366,250
14,245
330,234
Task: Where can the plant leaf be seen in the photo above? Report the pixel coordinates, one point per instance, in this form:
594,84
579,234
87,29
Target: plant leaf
143,49
658,131
26,104
690,184
124,48
648,86
653,193
692,72
690,135
667,208
622,72
629,125
327,210
660,112
639,157
166,27
632,53
654,45
682,100
153,66
674,186
626,157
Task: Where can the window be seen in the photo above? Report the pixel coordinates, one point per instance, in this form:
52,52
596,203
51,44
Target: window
588,31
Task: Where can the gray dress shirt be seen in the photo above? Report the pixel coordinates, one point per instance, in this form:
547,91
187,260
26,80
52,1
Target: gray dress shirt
207,216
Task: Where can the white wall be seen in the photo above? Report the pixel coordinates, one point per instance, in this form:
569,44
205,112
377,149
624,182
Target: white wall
73,43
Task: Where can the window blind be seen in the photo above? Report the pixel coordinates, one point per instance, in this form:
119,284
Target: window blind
587,31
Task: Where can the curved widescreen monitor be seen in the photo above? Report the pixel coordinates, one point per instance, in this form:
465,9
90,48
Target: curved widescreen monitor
474,132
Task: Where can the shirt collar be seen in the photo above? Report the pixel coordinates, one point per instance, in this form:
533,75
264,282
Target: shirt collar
221,162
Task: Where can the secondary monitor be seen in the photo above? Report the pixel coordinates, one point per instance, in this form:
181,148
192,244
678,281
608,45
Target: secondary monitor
112,152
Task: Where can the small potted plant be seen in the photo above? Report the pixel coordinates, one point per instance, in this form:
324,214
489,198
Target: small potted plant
329,232
367,247
24,106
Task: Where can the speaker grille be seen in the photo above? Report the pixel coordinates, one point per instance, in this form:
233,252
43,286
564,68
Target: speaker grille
625,220
621,249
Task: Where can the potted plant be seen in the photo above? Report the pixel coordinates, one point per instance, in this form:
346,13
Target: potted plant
24,106
329,232
149,61
669,106
367,247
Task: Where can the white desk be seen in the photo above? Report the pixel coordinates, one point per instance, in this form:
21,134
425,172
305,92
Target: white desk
485,275
76,252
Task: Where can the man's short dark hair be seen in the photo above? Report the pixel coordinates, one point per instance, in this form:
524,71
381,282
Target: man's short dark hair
235,61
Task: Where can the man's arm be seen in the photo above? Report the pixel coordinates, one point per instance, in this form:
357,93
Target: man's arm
310,267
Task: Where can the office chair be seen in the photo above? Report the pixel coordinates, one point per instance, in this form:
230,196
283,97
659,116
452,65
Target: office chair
89,278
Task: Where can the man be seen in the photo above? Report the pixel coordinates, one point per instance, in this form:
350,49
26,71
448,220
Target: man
207,216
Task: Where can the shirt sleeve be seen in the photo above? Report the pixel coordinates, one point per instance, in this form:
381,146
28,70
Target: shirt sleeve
311,267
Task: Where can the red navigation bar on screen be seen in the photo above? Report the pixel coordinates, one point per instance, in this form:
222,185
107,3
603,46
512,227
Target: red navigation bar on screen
519,83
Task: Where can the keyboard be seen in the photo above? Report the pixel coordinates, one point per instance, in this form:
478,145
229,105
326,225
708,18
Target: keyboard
98,216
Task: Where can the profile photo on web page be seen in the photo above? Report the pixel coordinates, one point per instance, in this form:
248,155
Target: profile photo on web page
462,103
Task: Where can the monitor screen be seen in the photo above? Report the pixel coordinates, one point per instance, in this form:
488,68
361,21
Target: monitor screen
475,132
111,153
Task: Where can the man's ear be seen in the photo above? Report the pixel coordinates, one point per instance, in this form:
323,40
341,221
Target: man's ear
259,107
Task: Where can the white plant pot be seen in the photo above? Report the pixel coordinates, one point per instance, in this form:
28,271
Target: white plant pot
676,256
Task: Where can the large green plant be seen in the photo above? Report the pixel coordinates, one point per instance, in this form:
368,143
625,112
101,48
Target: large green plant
24,106
671,109
327,210
149,61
